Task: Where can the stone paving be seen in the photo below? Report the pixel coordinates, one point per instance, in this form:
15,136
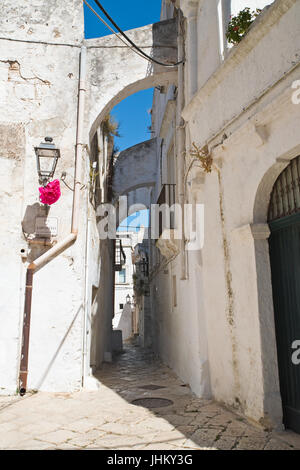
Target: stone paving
107,419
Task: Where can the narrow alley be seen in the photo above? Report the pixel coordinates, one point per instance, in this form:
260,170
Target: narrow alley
122,415
150,198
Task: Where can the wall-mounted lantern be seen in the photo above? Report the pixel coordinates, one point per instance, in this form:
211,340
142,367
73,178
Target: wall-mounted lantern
47,155
128,299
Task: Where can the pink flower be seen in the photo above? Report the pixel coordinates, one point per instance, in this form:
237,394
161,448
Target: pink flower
50,193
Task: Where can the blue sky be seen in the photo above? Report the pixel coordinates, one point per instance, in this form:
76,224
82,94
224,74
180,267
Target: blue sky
134,222
127,14
134,119
132,113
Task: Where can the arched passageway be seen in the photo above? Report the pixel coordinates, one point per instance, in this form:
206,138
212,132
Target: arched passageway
116,72
284,243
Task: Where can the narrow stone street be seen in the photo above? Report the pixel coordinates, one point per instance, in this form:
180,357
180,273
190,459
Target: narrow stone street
108,418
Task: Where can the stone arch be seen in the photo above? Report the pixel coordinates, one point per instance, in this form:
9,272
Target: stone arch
137,199
139,207
262,197
265,185
134,176
260,232
116,72
135,168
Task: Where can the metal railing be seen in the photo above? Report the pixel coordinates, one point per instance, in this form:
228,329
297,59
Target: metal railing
120,257
143,267
168,197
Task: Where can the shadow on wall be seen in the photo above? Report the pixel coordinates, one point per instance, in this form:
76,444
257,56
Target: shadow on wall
48,368
124,322
164,43
103,308
29,229
31,212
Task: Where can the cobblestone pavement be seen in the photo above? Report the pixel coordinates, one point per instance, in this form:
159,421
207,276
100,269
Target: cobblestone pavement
107,419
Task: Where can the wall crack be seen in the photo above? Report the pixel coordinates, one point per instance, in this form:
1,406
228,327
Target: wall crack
15,66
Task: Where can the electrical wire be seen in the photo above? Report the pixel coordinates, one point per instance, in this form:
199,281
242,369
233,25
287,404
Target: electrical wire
107,25
114,32
130,41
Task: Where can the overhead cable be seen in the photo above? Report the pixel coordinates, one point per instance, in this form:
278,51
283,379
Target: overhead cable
109,27
130,41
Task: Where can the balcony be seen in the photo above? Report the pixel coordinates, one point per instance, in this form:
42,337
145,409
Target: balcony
166,242
120,257
167,196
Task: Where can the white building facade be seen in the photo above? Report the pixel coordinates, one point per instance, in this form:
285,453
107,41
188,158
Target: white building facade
124,293
214,314
124,277
214,310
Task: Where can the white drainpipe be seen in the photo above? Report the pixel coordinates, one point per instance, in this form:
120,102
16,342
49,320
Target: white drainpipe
181,140
62,245
86,309
67,241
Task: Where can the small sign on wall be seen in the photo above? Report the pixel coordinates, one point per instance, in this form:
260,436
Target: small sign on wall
46,227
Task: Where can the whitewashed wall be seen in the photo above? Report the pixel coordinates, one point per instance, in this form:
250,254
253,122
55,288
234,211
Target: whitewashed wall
245,113
38,89
243,109
126,288
39,66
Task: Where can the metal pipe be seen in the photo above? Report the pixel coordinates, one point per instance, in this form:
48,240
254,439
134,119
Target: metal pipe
86,311
53,252
66,242
79,140
26,332
181,140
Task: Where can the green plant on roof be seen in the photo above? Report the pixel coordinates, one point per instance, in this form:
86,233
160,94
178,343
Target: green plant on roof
239,25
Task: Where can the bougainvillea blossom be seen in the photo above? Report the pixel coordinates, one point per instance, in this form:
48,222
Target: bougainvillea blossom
50,193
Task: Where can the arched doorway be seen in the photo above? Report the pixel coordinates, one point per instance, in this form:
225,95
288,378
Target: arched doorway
284,245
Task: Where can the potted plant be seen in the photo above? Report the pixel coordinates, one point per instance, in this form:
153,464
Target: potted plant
239,25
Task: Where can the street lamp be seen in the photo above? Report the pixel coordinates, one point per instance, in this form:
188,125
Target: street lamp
47,155
128,298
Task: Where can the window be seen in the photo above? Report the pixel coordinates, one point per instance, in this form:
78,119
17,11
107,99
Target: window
121,306
122,276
